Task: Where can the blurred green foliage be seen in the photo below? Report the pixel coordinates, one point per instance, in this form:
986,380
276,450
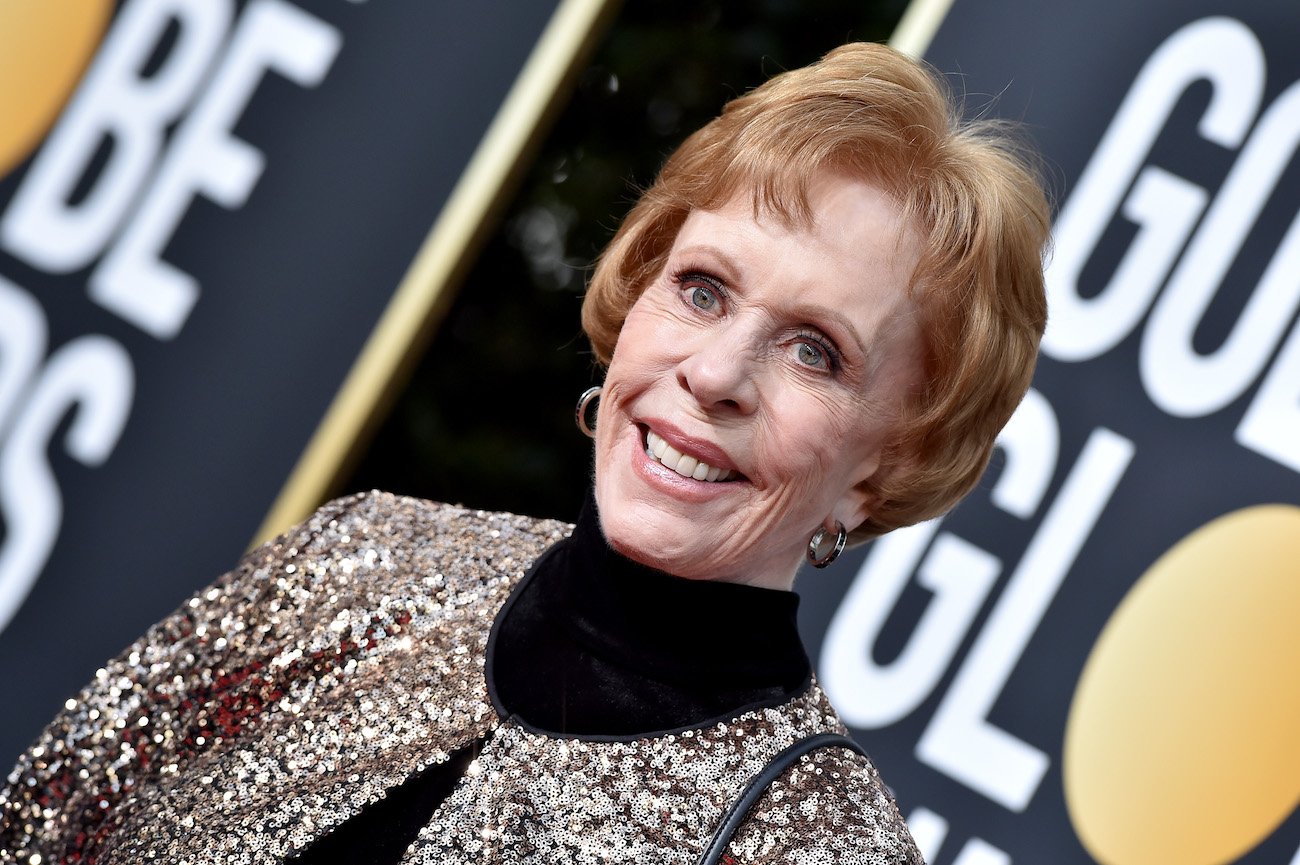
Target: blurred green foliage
487,417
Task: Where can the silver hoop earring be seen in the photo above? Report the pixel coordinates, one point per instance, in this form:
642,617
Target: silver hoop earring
580,416
819,536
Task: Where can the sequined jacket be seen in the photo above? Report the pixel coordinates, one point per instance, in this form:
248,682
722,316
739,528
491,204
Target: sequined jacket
338,660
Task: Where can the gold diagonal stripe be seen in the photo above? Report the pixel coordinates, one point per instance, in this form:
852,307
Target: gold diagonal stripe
425,293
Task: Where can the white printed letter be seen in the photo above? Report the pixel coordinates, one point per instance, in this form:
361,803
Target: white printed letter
960,741
1178,379
1271,426
132,113
23,333
1225,52
133,281
959,574
94,376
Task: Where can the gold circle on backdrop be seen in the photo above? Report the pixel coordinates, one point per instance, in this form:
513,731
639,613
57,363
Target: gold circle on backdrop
44,49
1181,744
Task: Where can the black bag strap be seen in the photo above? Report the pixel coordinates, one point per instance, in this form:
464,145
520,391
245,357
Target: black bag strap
758,785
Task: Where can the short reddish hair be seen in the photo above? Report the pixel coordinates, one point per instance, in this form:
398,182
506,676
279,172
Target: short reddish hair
967,188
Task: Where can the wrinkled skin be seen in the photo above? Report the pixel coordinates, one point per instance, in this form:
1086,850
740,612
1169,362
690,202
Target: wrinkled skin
779,351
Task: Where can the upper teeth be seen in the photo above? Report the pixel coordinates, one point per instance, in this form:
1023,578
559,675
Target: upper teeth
685,466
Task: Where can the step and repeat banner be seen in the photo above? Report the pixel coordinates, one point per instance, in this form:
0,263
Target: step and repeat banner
1097,656
209,209
206,207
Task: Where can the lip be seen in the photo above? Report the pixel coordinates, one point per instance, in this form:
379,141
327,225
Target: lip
669,482
700,449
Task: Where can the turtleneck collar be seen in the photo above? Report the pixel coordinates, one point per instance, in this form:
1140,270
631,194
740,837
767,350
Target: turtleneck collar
595,643
672,627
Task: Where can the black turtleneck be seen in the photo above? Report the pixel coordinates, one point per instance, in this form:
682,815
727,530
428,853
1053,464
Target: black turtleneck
596,644
593,644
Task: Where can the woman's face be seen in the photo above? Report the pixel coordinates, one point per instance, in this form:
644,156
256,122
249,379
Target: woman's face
754,384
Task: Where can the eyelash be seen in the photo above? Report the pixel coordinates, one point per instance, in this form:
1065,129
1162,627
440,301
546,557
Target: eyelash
686,277
683,280
832,356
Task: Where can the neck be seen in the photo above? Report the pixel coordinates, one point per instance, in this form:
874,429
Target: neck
778,578
594,642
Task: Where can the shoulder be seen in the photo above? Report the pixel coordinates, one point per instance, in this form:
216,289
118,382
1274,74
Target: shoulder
302,609
357,551
410,529
373,555
378,546
378,514
830,806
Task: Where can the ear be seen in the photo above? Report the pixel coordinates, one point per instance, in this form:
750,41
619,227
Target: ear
857,502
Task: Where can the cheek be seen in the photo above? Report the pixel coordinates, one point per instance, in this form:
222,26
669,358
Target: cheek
641,343
610,421
813,441
800,437
630,375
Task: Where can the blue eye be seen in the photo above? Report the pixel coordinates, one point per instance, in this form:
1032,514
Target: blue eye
700,290
812,355
703,298
815,351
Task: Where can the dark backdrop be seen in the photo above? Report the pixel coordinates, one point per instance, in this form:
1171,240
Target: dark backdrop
487,418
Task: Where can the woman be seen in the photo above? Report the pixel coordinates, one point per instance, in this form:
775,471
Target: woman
815,322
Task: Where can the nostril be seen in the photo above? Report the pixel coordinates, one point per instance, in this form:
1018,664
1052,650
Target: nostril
717,380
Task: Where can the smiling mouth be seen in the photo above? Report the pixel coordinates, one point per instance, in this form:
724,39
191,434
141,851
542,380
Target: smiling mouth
686,466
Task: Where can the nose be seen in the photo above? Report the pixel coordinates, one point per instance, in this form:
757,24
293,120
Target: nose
720,374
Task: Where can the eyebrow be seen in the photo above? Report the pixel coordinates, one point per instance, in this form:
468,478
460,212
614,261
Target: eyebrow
811,312
729,264
815,312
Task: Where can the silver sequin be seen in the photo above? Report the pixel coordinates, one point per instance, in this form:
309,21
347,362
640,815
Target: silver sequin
347,655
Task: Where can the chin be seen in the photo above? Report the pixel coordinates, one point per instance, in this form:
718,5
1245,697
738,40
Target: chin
688,527
644,536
